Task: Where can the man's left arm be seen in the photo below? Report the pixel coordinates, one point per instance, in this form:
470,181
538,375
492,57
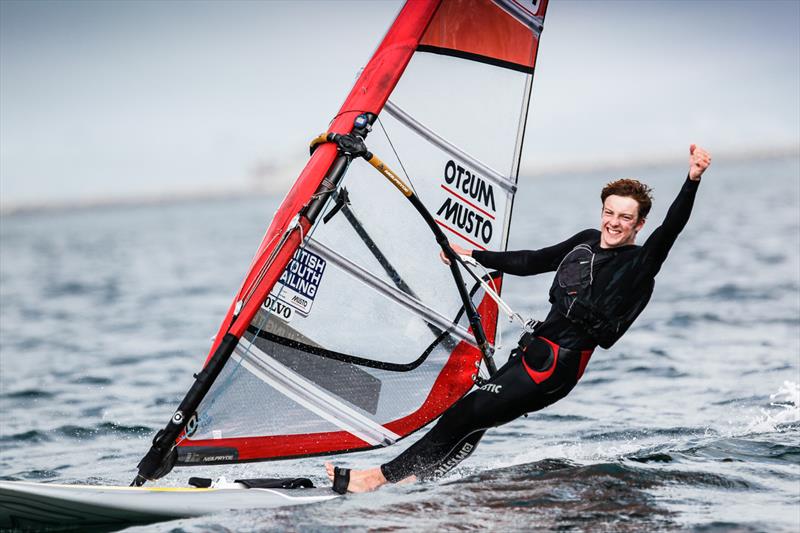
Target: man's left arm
658,245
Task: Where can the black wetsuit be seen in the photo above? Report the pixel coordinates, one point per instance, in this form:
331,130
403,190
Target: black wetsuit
553,362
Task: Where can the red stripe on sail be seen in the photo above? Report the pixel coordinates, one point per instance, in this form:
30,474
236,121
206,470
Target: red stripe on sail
482,30
454,232
451,191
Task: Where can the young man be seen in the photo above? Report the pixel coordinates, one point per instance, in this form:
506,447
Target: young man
603,282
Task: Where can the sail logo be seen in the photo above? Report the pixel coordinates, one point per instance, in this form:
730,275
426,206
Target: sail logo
191,425
195,458
297,286
469,209
278,308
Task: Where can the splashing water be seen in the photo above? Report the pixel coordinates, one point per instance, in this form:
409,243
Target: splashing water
781,415
785,410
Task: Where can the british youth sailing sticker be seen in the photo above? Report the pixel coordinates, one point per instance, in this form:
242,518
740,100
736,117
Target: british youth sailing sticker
297,286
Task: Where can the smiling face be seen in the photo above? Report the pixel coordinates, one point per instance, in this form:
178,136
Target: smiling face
620,221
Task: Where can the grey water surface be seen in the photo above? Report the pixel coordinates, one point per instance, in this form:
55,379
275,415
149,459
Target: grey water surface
690,423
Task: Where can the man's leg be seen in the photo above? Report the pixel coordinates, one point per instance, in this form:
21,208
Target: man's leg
511,393
455,436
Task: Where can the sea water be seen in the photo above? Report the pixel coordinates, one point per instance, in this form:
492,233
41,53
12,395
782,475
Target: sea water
691,422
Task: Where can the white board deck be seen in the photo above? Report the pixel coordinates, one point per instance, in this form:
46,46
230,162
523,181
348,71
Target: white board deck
40,505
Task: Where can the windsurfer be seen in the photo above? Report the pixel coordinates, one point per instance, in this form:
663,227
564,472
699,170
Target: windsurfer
603,282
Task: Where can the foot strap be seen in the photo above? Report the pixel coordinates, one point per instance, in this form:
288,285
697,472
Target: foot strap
341,479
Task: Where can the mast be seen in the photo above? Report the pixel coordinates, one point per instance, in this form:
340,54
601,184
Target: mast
294,219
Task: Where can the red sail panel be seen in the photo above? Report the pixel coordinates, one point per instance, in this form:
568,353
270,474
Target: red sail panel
484,30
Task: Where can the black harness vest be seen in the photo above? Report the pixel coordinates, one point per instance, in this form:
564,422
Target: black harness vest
605,313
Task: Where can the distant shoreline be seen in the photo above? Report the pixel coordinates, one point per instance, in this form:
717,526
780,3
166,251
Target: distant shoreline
611,165
180,197
132,201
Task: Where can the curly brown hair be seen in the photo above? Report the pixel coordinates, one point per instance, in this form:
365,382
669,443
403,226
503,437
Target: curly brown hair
632,189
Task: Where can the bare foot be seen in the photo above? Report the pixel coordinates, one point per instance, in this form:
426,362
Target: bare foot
360,480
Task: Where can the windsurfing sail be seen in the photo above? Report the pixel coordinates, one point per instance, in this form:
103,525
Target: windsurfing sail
348,332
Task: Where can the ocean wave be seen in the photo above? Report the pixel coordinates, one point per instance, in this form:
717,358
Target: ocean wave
633,434
26,437
28,394
734,292
36,474
92,380
742,449
666,372
102,429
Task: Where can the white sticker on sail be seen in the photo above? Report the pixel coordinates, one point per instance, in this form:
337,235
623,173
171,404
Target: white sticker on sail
468,208
297,286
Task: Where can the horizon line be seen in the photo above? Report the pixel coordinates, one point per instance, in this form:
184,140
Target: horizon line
187,196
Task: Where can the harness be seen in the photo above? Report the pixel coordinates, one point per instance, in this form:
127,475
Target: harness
605,314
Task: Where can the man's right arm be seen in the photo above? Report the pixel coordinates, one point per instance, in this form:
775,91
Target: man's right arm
530,262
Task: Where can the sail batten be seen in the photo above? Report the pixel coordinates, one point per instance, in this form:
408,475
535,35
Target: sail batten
449,147
406,300
526,15
312,397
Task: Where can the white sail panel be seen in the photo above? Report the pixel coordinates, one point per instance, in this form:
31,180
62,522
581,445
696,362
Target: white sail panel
475,106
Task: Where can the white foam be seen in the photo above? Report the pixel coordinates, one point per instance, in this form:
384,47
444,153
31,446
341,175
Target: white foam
575,451
784,409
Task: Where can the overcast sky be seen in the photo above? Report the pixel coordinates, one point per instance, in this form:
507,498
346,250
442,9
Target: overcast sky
128,98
